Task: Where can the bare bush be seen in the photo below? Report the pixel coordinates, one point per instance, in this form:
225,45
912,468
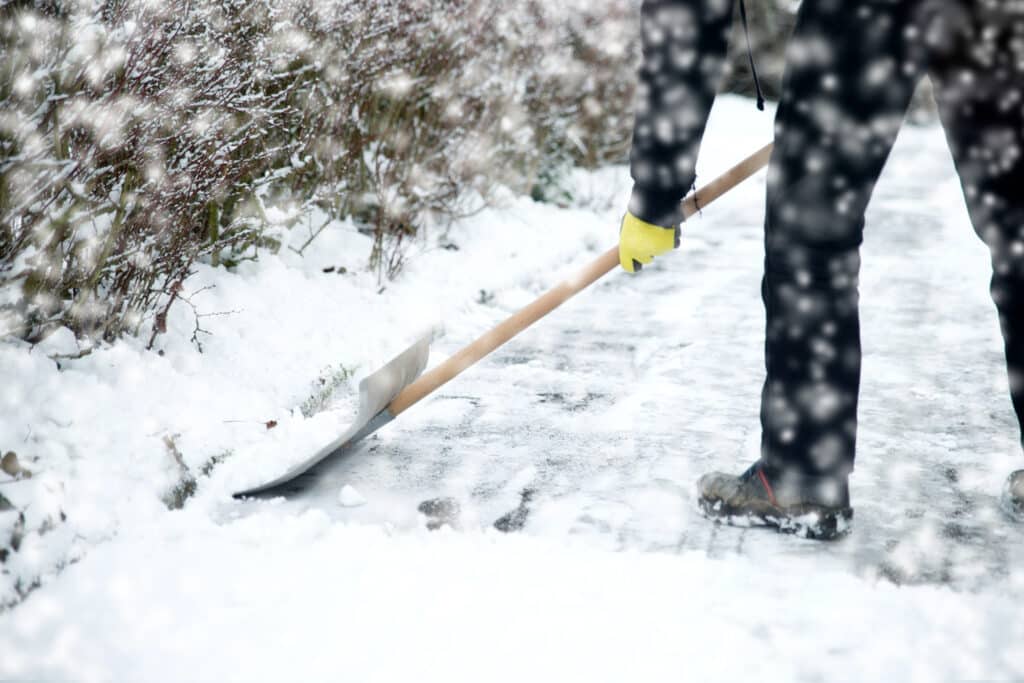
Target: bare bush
139,137
127,131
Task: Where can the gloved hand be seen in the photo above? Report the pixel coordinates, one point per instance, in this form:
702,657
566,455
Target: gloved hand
640,242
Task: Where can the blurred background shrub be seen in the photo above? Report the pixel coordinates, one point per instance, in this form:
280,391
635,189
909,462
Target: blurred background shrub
138,138
771,22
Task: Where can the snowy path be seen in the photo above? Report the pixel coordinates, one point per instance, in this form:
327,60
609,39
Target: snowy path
613,408
609,410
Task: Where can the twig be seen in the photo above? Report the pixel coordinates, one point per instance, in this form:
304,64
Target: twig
160,324
82,353
195,312
199,330
312,237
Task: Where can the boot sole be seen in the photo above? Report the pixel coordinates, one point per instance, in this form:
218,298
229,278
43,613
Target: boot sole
808,521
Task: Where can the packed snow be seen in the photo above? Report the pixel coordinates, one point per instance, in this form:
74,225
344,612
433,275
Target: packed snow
349,497
607,412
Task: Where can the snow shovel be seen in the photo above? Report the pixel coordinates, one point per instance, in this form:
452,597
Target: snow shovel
390,391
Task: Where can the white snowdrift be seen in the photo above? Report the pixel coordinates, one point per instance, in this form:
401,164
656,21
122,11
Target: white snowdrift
293,590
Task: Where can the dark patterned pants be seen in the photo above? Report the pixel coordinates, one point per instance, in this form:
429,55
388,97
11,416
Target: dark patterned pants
852,68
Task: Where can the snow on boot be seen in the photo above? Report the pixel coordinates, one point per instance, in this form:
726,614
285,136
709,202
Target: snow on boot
1013,495
812,507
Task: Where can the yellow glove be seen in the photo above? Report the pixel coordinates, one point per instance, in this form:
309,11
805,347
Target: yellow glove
640,242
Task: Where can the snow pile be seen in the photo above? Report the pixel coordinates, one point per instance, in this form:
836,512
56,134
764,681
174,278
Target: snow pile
123,432
349,497
298,597
606,413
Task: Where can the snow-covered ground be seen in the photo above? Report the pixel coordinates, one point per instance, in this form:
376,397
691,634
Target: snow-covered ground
609,410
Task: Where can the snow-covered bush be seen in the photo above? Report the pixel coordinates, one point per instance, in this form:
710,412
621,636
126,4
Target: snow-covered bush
137,137
132,131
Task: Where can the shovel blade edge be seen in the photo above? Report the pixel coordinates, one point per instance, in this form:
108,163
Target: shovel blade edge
376,391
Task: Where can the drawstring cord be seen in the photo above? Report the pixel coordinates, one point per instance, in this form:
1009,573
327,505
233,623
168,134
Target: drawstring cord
750,54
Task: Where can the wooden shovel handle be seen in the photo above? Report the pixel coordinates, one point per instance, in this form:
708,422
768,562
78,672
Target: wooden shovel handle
554,298
728,180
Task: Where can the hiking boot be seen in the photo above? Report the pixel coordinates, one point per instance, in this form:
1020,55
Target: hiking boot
1013,495
812,507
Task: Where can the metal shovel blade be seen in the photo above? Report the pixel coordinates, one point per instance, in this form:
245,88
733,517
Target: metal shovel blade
376,391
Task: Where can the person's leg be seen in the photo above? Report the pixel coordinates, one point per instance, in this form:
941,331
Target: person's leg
850,74
684,49
851,71
978,70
